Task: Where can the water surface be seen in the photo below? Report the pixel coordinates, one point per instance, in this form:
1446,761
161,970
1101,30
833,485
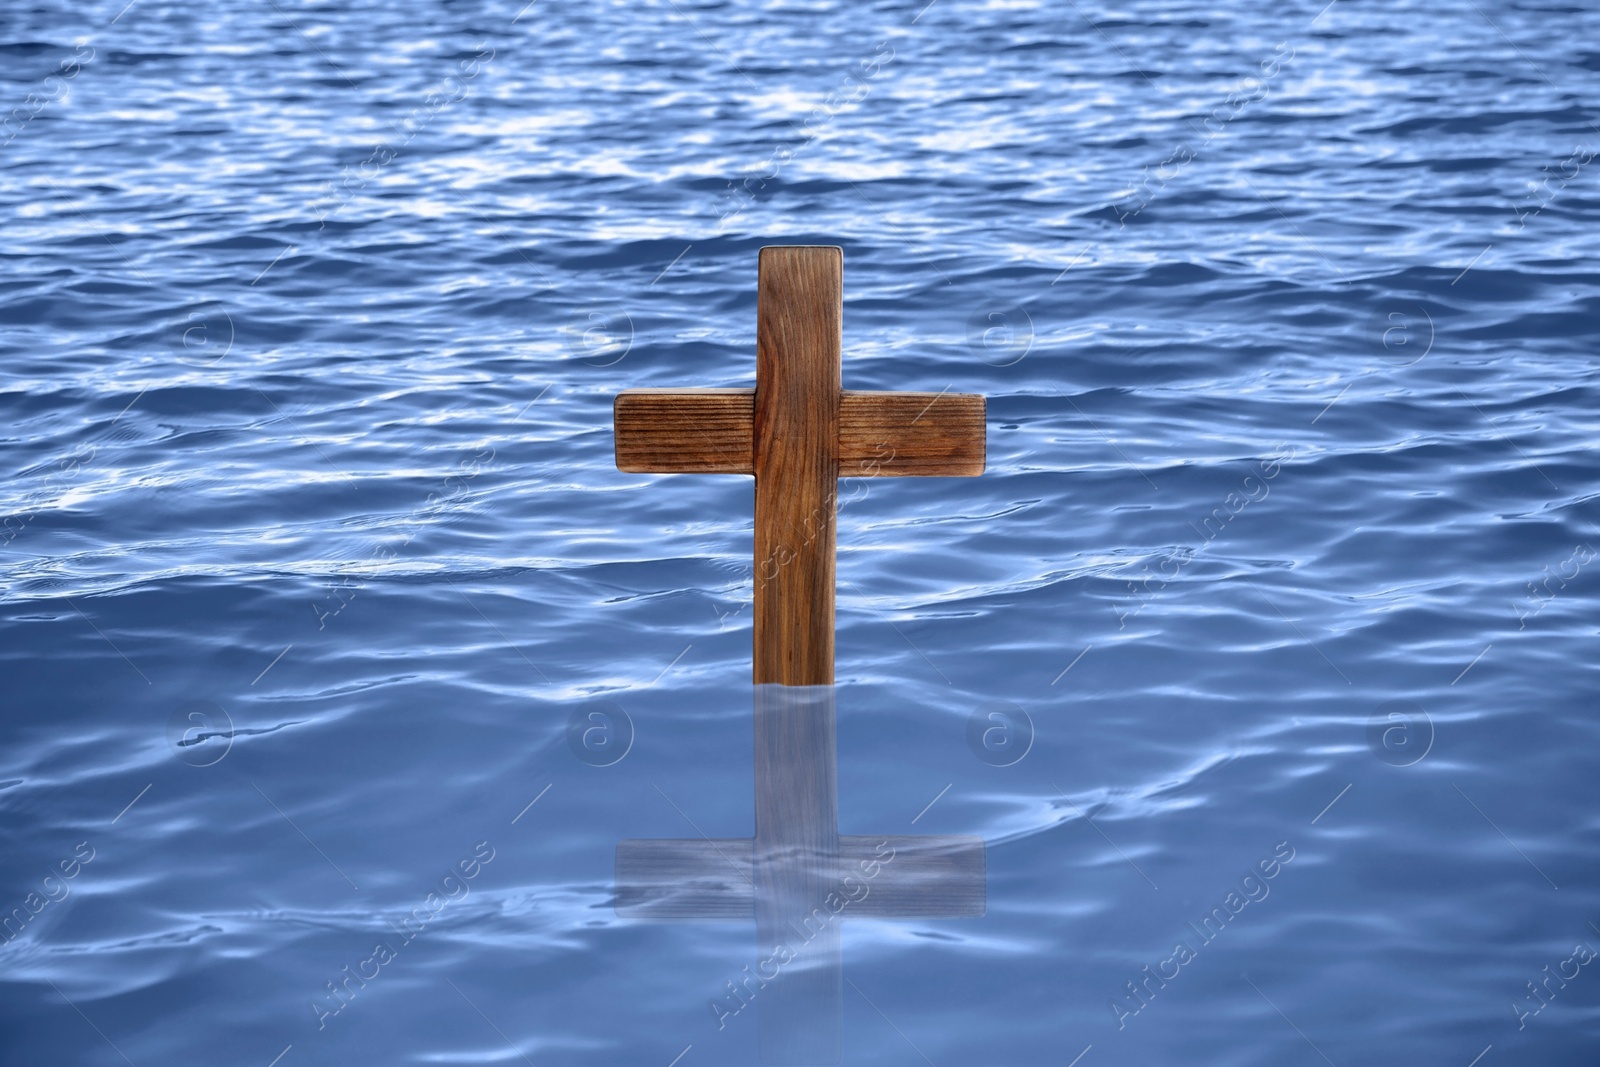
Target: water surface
313,317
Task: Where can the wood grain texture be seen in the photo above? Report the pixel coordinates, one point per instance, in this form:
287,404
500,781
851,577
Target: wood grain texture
799,310
710,431
911,435
685,431
798,432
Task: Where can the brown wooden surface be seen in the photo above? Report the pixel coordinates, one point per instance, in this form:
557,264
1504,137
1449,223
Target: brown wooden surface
684,431
799,305
798,433
910,434
709,431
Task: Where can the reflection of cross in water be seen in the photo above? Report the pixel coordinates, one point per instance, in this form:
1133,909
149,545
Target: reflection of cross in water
797,432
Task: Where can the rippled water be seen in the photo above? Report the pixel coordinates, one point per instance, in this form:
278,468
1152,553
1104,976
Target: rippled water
314,546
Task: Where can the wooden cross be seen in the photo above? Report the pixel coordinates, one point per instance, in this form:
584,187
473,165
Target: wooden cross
798,432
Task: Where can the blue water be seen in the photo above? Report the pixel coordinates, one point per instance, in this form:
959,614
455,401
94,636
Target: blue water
314,545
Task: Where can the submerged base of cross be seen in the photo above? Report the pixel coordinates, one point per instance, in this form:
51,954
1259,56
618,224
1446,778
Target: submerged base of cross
798,878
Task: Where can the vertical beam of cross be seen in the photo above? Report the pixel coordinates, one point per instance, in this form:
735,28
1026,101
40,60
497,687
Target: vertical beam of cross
799,341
